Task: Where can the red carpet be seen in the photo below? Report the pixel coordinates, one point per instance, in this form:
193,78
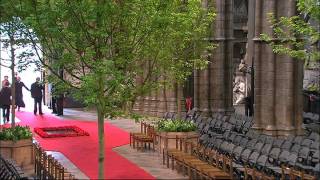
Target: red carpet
83,150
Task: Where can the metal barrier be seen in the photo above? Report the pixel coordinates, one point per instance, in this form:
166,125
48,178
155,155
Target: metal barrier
46,167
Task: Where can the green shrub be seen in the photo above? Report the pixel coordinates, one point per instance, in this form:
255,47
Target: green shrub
15,133
176,126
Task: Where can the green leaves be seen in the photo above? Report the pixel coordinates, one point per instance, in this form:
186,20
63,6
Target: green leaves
135,46
176,126
295,36
15,133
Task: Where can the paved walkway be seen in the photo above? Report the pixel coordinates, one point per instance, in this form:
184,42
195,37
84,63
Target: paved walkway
150,161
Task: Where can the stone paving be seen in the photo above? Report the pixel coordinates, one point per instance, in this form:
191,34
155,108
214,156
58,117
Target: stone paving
150,161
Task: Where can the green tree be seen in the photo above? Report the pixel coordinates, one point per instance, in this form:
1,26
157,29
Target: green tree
297,36
14,40
113,51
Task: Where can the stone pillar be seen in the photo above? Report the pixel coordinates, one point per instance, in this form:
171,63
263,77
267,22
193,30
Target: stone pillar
203,92
171,98
289,81
153,103
162,103
221,62
138,104
196,90
277,78
167,99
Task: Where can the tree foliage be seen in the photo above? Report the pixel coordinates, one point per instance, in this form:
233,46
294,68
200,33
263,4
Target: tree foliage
122,40
297,36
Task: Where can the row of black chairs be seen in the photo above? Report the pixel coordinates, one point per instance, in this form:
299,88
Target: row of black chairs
311,122
266,152
245,150
233,137
309,117
218,121
9,170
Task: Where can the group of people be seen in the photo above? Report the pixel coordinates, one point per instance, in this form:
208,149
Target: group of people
6,96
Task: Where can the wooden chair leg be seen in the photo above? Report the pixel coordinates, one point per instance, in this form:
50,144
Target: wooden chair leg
172,163
163,157
189,172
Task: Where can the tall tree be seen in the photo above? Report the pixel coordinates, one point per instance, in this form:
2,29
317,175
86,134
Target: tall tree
14,42
104,46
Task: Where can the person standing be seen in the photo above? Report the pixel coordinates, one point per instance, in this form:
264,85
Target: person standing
53,100
248,103
60,98
188,103
6,79
57,102
19,95
5,101
36,93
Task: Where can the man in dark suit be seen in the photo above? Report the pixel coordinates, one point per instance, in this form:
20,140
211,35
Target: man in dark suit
36,93
5,101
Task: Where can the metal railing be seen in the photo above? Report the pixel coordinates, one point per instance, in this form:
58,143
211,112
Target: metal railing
46,167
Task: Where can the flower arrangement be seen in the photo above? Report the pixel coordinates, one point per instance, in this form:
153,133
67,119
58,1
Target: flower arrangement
15,133
176,126
62,131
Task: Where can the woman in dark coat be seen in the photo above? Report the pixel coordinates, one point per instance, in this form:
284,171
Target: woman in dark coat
5,101
19,95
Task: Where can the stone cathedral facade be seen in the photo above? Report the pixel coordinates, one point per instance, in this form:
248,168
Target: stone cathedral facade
277,79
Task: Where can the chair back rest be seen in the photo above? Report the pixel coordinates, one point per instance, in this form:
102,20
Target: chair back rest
266,149
258,147
245,155
283,157
315,145
151,130
314,136
277,143
251,144
253,158
298,140
295,148
237,140
292,159
306,142
304,152
237,151
286,145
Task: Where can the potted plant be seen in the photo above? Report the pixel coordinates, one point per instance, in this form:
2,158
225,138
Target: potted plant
170,130
16,144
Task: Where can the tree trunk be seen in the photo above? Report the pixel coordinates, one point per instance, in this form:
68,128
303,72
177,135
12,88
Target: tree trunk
101,115
13,86
101,100
101,142
179,95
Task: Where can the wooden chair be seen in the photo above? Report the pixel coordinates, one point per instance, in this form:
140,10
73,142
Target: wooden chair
145,140
192,159
261,175
177,153
203,163
294,174
143,131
